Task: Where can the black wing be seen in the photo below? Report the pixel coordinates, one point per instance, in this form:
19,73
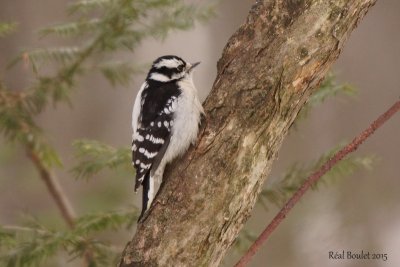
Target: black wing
152,137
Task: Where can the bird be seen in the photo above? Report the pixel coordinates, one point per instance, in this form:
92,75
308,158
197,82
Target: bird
166,119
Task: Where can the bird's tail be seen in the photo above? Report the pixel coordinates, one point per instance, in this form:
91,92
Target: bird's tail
147,194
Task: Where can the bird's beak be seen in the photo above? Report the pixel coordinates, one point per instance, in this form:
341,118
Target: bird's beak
192,66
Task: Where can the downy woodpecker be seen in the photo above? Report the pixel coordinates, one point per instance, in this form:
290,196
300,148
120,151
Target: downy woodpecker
165,120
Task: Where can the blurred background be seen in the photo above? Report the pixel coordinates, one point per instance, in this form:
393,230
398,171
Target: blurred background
359,212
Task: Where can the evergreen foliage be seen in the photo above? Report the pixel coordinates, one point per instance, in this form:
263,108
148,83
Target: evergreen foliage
119,73
284,187
328,88
115,26
32,245
96,156
6,28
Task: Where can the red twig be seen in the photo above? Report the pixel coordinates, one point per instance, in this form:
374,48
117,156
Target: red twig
313,179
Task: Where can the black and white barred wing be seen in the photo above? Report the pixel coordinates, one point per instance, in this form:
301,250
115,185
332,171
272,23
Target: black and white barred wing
147,144
151,139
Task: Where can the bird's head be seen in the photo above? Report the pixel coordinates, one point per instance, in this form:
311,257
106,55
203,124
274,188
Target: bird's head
170,68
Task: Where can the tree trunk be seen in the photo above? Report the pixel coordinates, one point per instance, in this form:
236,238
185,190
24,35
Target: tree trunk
268,70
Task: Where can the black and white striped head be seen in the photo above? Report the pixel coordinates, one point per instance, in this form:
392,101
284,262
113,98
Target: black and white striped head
170,68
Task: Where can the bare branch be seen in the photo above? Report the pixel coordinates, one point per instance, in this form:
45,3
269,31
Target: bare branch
55,190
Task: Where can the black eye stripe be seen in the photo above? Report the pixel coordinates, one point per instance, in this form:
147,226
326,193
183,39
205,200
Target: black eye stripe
168,71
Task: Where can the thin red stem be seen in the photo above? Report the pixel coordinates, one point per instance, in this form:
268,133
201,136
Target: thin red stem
312,179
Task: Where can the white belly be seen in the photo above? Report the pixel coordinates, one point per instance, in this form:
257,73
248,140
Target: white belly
186,121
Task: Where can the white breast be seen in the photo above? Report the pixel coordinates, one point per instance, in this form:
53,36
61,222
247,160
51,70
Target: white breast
186,120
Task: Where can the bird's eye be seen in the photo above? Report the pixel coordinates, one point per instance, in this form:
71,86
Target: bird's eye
180,68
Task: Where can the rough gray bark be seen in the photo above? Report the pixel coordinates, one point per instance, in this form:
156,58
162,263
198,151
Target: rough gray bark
268,69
